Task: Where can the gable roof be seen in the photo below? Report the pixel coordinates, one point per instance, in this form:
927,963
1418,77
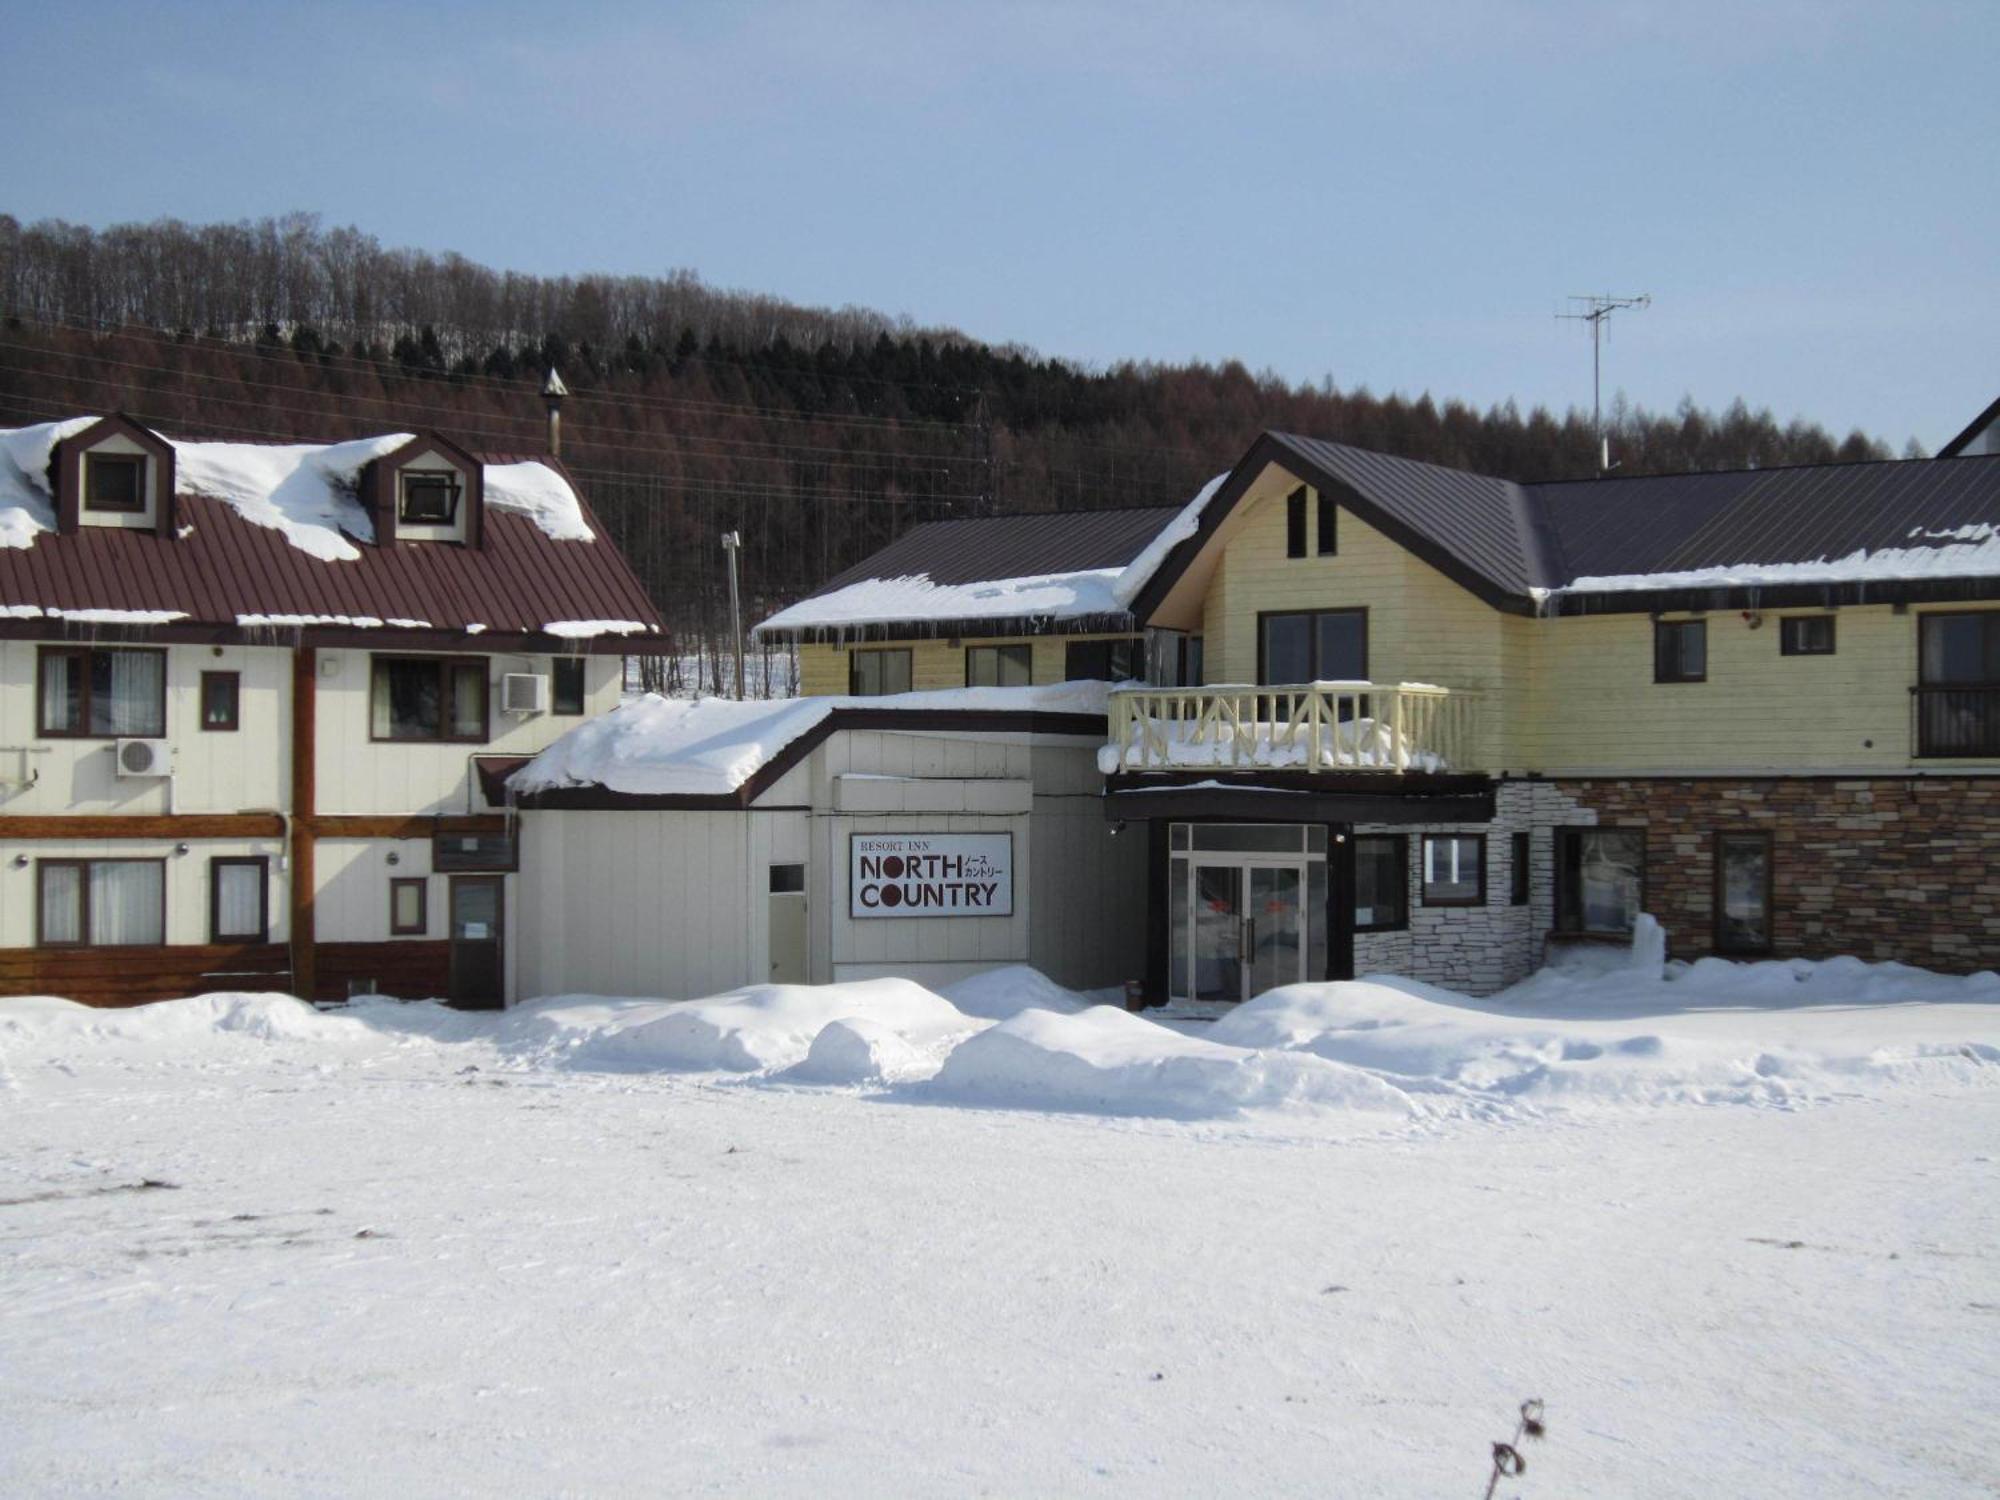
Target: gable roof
986,574
1916,528
1988,418
270,538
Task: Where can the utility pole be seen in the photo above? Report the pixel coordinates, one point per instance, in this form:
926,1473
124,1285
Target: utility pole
731,541
1596,310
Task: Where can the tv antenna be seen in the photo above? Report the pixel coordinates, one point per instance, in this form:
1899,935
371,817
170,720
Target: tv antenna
1596,310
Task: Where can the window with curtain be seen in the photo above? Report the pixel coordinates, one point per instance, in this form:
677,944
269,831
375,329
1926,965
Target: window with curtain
428,698
1600,878
237,908
1454,869
102,694
101,903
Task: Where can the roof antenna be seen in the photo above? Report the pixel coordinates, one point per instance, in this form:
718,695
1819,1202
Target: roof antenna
1596,310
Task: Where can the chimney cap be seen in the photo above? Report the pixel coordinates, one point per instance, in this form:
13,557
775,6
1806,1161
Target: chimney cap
553,386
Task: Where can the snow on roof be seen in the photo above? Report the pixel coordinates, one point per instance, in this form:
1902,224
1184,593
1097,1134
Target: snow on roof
306,491
1955,553
654,746
922,596
1056,596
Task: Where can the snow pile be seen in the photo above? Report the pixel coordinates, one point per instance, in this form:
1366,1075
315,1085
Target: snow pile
1106,1061
1139,572
1962,551
1002,993
711,746
1353,744
1713,1032
306,491
213,1028
861,1049
542,495
27,504
769,1026
583,630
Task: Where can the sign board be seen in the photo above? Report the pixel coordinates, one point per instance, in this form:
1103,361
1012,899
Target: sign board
930,875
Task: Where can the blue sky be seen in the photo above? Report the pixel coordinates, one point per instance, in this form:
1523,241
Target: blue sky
1396,195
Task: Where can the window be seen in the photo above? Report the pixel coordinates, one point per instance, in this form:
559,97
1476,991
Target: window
409,907
101,903
1381,883
102,694
1958,699
238,901
999,666
1106,661
114,482
566,696
1806,635
1517,889
428,698
1600,879
1454,869
871,674
1743,893
1295,523
1329,537
787,880
1680,651
1324,645
428,497
455,853
221,700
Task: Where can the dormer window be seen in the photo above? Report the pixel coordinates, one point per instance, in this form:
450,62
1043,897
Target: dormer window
428,497
114,482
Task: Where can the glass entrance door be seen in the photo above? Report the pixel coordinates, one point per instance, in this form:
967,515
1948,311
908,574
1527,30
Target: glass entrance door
1274,949
477,977
1218,933
1246,930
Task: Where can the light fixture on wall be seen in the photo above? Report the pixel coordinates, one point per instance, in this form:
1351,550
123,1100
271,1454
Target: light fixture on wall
20,861
180,848
395,858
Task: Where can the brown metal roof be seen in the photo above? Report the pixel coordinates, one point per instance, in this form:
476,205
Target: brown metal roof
515,583
1027,545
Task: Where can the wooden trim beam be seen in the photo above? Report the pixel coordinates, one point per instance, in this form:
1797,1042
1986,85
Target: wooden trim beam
401,826
135,826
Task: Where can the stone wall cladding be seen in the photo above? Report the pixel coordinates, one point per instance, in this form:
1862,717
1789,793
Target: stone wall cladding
1479,949
1904,868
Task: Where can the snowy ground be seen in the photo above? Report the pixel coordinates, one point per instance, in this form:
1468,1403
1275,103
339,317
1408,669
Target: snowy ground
1739,1230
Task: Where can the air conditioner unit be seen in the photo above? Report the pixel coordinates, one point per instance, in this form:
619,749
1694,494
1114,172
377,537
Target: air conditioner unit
524,693
144,757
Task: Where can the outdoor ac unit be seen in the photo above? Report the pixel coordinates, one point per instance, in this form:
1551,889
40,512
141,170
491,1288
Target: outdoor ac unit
524,693
144,758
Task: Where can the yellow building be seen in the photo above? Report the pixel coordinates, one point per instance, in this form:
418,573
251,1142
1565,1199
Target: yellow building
1402,717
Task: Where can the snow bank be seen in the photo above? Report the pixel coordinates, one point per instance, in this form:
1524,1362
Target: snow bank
860,1049
711,746
1355,743
769,1026
1106,1061
1002,993
1713,1032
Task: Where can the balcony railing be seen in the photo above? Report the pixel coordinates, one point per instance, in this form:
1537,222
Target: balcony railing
1958,721
1313,726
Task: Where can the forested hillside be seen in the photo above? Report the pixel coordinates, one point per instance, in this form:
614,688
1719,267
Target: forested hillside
818,434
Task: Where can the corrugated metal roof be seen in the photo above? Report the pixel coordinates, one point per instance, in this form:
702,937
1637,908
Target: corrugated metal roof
1673,523
977,548
225,567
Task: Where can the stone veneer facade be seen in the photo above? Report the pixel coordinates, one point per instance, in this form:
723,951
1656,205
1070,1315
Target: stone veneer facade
1904,868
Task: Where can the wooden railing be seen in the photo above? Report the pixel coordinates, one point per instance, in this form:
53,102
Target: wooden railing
1314,726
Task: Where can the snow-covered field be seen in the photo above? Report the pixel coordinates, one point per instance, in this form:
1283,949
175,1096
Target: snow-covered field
1738,1228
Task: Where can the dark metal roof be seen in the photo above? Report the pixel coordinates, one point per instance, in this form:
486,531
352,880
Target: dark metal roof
976,548
1471,517
1672,523
515,583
